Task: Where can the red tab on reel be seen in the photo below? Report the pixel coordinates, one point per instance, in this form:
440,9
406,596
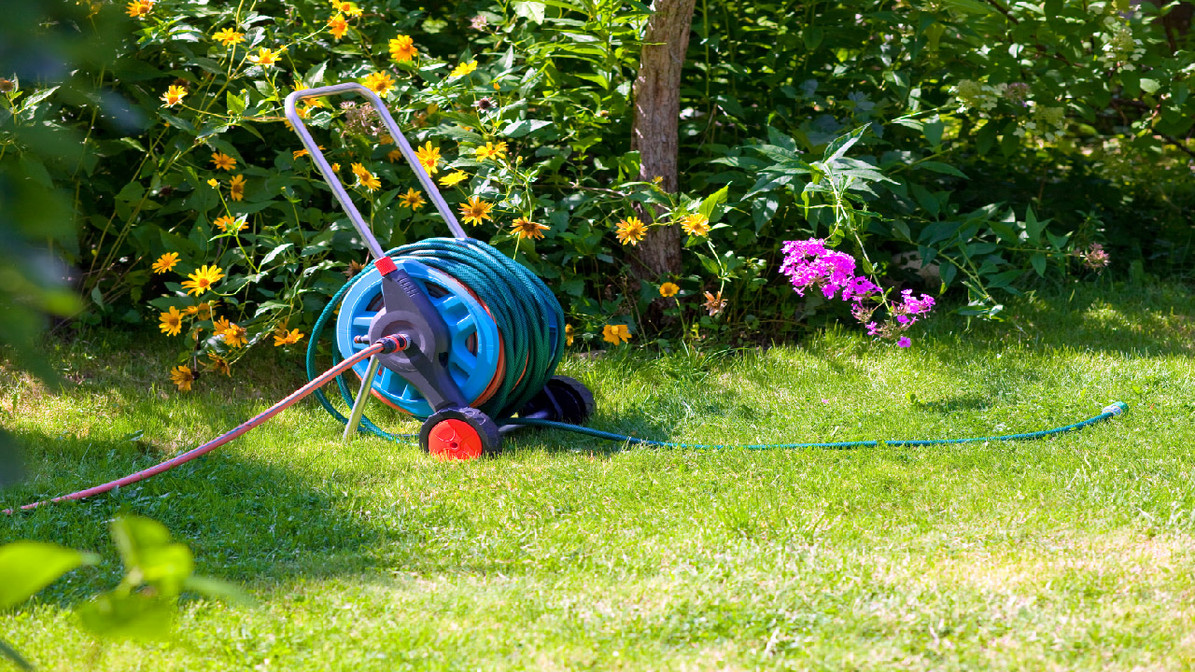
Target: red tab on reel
385,266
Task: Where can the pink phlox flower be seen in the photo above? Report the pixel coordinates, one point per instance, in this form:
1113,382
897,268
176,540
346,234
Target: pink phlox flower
858,289
872,328
904,342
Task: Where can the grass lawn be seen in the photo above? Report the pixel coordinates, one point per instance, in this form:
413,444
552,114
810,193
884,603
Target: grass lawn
1074,552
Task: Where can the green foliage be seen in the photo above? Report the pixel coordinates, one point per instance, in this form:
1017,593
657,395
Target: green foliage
948,144
142,607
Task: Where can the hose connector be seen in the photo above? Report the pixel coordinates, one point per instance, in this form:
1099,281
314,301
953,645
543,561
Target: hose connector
1116,408
394,342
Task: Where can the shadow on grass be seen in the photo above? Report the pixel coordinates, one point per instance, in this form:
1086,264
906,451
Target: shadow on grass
1142,320
243,520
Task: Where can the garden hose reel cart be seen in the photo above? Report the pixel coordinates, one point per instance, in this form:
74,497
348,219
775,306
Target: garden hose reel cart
479,335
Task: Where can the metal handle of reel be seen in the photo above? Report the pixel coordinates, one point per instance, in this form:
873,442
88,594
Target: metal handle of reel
338,190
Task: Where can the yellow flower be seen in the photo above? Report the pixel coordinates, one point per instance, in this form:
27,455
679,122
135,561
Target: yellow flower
182,377
223,161
226,224
171,322
266,58
475,211
402,49
525,228
428,157
412,199
218,364
336,167
139,8
492,151
229,37
695,225
366,178
463,69
454,178
232,333
339,25
669,289
393,155
200,281
236,188
205,310
616,334
348,8
213,183
165,262
631,230
283,337
568,334
379,82
174,95
299,153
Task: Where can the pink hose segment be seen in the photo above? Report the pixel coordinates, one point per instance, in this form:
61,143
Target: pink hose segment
383,345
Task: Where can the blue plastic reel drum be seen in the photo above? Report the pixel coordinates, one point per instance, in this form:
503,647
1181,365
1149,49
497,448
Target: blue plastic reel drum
474,358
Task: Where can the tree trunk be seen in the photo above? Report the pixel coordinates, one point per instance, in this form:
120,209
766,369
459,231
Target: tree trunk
655,128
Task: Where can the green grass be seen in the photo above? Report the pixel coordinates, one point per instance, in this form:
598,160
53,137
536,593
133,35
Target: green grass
567,553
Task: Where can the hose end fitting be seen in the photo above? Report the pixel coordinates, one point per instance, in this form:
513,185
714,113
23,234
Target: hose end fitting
1116,408
394,342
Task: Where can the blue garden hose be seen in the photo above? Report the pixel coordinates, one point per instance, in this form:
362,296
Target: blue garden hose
1109,411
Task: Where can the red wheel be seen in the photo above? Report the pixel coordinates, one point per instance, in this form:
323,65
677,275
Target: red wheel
460,434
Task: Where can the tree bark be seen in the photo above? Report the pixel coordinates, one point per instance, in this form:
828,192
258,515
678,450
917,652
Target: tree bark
654,131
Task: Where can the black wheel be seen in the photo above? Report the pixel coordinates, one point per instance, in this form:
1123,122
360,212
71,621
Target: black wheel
460,434
563,399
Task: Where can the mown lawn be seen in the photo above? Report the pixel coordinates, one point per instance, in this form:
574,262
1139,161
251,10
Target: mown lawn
1074,552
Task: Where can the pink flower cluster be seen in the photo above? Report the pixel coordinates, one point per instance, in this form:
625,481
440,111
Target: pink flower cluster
808,264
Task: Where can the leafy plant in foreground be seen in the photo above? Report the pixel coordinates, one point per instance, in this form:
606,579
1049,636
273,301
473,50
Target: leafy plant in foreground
142,607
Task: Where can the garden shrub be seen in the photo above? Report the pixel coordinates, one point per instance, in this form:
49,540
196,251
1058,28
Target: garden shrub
870,126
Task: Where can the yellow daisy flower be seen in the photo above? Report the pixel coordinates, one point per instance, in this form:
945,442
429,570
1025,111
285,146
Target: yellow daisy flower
236,188
379,82
569,334
228,37
525,228
475,211
223,161
492,151
226,224
339,26
454,178
165,262
402,49
695,225
428,157
463,69
182,376
218,364
201,280
174,95
366,178
283,337
266,57
171,322
616,334
669,289
139,8
631,230
412,199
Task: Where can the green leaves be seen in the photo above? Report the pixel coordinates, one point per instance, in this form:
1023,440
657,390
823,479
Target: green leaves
29,566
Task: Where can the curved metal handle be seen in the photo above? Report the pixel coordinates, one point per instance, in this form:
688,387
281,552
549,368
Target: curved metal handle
333,181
